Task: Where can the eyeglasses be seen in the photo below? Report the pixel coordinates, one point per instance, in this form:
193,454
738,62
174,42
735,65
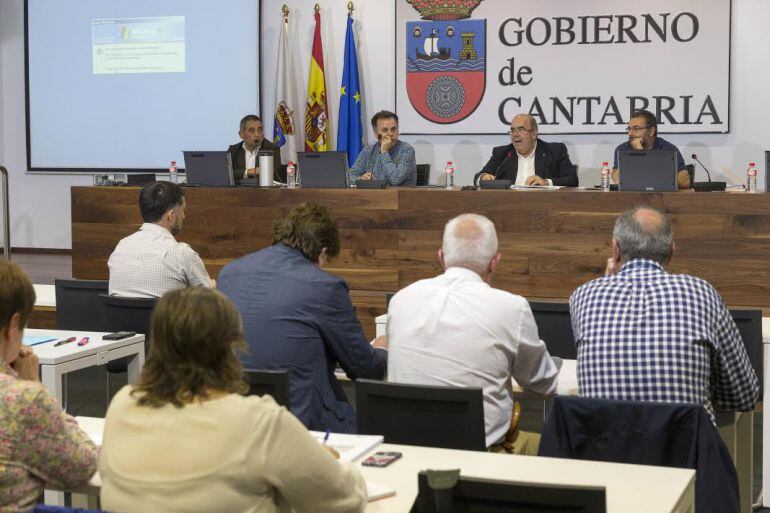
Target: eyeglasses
636,128
519,130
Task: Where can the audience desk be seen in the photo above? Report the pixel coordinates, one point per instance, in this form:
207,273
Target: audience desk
630,488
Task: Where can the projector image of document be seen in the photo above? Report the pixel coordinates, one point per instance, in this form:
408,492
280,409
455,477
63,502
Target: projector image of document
138,45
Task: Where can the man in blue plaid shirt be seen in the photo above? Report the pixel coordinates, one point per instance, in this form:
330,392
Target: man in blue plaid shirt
644,334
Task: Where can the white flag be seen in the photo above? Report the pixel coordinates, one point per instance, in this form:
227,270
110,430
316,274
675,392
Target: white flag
285,119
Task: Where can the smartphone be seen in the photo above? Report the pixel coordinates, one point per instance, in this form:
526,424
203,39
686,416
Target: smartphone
381,459
119,335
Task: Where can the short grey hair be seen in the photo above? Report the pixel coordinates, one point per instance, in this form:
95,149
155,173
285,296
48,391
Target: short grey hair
249,117
644,238
470,241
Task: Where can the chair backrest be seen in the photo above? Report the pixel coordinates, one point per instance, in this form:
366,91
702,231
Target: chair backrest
645,433
691,172
128,313
269,382
78,305
423,174
421,415
749,322
490,496
554,325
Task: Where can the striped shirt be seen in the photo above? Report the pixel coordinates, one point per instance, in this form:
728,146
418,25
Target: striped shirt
647,335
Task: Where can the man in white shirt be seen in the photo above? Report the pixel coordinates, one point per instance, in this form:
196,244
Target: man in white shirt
151,262
529,160
456,330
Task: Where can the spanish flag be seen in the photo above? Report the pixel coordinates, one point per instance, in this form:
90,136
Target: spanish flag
317,111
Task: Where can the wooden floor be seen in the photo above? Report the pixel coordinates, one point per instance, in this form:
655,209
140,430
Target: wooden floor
44,268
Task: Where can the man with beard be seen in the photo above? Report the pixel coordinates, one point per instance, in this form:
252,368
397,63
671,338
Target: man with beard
529,160
151,262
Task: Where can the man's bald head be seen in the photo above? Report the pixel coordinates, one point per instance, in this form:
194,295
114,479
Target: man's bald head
644,232
470,241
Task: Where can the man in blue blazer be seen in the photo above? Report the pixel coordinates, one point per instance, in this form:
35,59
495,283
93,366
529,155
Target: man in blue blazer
529,160
299,318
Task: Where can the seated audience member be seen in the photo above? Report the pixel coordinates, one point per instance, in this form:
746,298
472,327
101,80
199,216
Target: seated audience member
183,439
245,154
388,159
151,262
529,160
643,135
298,317
39,443
456,329
643,334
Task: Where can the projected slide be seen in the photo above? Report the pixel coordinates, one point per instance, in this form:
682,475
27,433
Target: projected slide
138,45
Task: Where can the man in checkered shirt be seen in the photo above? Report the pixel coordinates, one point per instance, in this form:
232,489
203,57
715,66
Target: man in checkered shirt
644,334
150,262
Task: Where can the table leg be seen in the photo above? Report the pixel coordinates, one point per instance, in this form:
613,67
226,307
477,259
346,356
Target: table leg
135,365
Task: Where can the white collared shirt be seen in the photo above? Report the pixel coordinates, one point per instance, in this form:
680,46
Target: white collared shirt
251,158
150,262
456,330
526,166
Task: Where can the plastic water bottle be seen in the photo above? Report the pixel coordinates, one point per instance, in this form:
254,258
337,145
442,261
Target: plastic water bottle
605,176
173,177
290,176
751,178
449,173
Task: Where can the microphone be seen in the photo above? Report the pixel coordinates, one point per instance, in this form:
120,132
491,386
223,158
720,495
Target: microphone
707,186
497,170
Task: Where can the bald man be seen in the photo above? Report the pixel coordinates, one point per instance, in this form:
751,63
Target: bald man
529,160
643,334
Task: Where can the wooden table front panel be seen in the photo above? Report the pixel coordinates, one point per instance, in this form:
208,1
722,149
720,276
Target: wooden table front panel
551,241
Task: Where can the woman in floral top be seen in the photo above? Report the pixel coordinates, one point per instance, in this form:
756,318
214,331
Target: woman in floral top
39,443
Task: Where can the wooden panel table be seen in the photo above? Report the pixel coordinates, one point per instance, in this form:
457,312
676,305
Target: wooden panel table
552,241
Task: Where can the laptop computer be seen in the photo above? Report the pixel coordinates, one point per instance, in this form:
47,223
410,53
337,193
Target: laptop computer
140,178
647,170
208,168
324,170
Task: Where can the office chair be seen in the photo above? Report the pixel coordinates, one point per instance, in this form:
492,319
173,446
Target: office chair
645,433
269,382
421,415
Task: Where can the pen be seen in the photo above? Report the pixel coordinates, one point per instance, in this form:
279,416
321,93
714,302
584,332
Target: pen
65,341
326,436
83,341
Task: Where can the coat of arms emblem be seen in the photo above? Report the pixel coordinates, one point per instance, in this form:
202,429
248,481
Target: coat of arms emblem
446,60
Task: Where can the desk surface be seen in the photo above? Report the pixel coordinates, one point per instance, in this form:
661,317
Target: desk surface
630,488
50,355
662,491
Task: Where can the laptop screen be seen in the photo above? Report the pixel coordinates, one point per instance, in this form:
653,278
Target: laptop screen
323,170
208,168
647,170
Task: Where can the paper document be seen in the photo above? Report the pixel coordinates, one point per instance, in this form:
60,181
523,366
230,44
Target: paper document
33,340
536,187
376,491
350,447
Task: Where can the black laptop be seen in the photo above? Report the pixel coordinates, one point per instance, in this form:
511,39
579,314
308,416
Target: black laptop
213,168
647,170
324,169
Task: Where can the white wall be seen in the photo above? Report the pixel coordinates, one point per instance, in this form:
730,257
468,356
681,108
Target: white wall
40,204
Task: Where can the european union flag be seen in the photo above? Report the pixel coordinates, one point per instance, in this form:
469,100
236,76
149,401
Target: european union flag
350,131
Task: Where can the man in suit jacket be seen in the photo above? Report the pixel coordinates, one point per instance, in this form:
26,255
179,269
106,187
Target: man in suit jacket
298,317
529,160
245,154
